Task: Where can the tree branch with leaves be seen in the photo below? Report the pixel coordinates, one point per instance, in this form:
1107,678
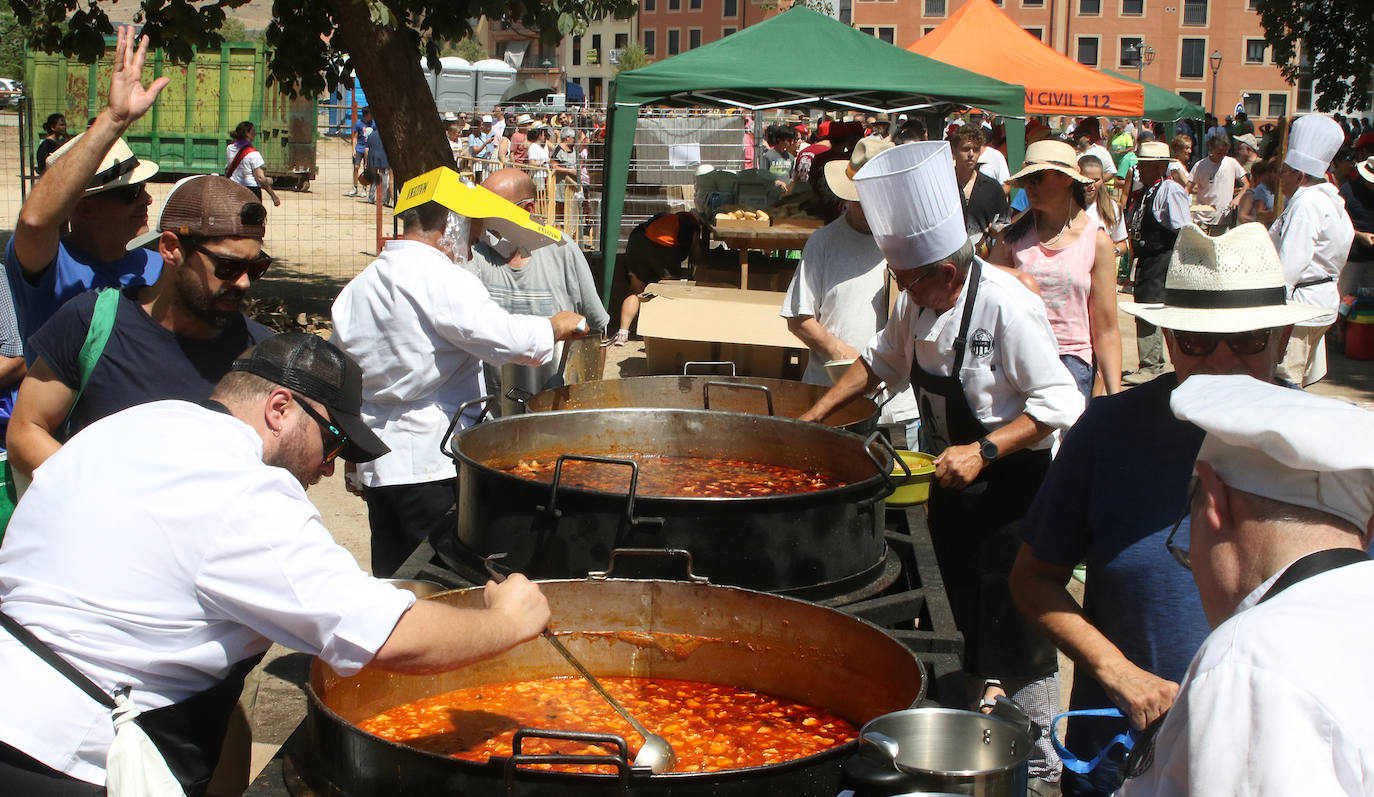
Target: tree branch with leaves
1337,38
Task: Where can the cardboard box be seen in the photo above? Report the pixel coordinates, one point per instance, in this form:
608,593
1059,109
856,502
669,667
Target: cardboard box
685,322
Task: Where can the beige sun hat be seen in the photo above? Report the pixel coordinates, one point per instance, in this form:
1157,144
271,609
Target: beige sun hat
1366,169
1154,151
1047,155
524,119
1230,283
120,167
1249,140
839,175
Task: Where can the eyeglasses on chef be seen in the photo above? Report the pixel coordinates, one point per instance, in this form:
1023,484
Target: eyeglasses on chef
1181,554
332,438
908,284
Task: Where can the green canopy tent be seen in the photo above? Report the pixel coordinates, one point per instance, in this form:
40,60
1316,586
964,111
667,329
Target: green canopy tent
758,68
1162,105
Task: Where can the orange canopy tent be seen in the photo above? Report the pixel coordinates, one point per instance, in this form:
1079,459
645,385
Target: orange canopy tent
980,38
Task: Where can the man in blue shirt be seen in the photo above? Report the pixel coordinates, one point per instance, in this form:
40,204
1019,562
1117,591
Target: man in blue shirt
482,144
362,127
1119,484
95,184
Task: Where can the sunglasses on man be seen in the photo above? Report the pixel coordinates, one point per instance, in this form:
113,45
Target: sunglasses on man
1242,344
125,194
229,268
332,438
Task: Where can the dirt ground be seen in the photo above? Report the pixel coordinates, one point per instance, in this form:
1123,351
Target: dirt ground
322,239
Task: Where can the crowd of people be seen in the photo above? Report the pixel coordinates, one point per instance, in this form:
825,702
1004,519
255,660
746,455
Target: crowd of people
165,440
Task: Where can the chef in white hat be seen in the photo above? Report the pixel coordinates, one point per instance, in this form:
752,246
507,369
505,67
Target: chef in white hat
1313,237
1276,700
977,346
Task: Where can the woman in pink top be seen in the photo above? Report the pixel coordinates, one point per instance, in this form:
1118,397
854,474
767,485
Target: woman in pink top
1072,260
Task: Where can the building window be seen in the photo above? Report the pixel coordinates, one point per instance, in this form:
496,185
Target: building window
887,33
1252,5
596,45
727,31
1195,97
694,5
1089,8
1251,102
577,51
674,41
674,5
1132,8
1130,52
650,40
1033,3
1087,50
935,8
1194,12
925,30
1038,33
1254,51
730,8
1192,58
622,40
693,38
1278,105
650,5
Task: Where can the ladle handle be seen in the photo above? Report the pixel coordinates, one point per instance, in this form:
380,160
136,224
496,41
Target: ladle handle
498,576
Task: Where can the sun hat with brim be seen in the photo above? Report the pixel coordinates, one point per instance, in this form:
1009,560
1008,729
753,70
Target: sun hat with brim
1153,151
1230,283
316,369
839,174
119,167
1249,140
1366,169
524,119
1056,156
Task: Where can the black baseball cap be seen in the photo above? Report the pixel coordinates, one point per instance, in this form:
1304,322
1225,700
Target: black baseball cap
316,369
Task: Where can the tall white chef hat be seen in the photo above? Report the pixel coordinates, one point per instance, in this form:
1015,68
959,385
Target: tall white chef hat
1285,444
1312,143
911,202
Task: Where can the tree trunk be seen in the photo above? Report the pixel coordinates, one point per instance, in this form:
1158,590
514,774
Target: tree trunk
388,66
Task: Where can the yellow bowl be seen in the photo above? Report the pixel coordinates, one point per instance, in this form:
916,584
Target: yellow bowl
913,489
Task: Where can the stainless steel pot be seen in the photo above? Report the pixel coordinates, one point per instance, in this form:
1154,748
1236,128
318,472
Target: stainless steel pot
778,645
941,749
778,397
806,544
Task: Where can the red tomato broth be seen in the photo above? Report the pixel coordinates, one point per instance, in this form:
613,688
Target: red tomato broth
710,727
680,477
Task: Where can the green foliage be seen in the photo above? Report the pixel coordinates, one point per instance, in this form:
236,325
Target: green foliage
632,57
467,48
300,57
11,47
1337,37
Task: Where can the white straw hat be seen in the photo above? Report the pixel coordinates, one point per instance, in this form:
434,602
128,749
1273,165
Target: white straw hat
1154,151
119,167
1230,283
911,202
1049,155
839,174
1312,143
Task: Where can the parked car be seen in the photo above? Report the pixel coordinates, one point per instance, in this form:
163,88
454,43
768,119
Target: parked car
10,92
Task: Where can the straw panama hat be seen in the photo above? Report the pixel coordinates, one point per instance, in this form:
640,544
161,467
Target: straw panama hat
1366,169
1154,151
119,167
839,175
1230,283
1047,155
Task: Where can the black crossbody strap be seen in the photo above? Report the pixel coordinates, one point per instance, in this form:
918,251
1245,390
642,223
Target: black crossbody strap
971,297
47,654
1314,564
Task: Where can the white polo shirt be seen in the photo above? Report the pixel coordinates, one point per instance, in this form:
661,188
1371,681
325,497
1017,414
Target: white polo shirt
155,550
420,326
1011,365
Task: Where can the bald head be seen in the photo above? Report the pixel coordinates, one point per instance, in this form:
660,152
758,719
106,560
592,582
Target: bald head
511,184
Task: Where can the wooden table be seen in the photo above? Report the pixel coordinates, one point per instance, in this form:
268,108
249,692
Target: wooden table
743,236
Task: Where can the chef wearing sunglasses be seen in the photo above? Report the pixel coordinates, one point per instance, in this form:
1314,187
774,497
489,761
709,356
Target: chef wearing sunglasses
170,340
1116,497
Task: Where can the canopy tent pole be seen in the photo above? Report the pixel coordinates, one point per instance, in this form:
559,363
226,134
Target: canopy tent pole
620,139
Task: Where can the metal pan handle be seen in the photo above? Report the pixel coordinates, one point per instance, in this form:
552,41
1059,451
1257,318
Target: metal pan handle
630,518
444,447
706,392
885,471
687,367
651,553
517,759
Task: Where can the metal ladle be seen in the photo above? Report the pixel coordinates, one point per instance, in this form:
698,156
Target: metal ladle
656,753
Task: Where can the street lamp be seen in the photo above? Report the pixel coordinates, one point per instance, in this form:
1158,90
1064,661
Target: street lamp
1216,67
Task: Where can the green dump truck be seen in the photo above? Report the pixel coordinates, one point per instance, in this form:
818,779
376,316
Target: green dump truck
188,127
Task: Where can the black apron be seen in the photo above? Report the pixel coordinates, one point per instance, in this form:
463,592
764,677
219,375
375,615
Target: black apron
1154,244
974,529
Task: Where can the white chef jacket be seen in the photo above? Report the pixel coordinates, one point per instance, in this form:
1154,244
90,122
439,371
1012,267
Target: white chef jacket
841,281
1011,365
156,550
1275,702
1313,237
420,326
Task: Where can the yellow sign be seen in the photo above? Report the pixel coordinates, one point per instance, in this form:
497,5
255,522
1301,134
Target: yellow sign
443,185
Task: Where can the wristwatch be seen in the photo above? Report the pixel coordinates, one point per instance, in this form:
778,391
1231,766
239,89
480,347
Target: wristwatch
988,449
